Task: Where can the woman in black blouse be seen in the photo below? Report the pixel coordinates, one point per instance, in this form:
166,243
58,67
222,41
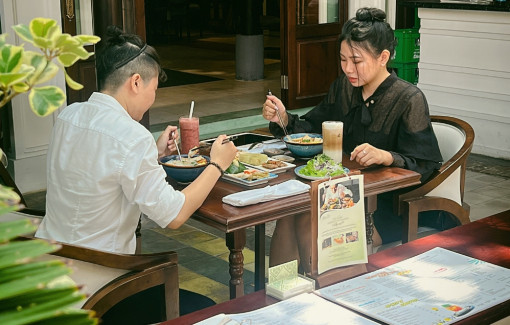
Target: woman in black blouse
386,120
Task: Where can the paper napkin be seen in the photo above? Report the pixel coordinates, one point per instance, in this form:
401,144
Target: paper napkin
268,193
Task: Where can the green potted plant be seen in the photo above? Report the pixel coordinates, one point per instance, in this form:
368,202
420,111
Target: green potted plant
30,291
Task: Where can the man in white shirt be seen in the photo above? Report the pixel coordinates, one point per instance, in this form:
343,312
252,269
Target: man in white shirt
103,166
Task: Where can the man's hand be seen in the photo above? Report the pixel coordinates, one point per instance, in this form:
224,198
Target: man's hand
165,143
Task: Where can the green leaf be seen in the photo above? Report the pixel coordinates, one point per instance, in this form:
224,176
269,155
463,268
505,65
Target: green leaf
77,50
29,283
88,38
74,316
68,59
45,70
42,42
66,40
46,310
18,252
12,229
71,83
45,100
9,79
3,38
8,196
42,27
27,269
20,87
24,32
35,297
11,58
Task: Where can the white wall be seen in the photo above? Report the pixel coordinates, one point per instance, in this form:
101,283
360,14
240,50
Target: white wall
31,132
465,72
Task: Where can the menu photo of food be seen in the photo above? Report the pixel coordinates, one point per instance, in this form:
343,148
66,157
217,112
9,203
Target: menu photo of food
338,196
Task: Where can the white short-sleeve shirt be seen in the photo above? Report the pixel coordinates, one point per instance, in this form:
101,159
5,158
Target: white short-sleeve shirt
102,172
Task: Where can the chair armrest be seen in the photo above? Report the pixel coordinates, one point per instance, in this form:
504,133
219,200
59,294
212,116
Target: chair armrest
114,260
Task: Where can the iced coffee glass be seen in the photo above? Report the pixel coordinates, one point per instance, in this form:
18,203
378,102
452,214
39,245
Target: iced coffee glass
189,132
332,133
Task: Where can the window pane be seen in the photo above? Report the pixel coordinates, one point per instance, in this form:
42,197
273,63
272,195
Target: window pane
311,12
84,17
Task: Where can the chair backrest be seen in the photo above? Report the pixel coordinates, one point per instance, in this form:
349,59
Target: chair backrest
455,138
450,139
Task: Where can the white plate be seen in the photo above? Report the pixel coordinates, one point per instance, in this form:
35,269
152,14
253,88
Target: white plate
276,170
245,182
314,178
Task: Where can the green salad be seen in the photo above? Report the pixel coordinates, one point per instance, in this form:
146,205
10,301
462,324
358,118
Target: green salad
321,166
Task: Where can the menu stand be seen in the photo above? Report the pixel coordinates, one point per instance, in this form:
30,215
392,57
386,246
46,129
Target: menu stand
340,273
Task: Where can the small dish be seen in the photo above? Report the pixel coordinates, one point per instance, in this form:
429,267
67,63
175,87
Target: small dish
273,151
284,166
285,158
229,177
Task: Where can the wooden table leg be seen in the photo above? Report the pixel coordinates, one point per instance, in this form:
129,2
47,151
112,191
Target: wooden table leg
370,207
260,256
235,242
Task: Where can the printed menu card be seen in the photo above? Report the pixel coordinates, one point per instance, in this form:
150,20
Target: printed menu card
437,287
341,234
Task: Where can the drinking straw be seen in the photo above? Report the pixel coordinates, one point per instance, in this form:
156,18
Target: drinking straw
191,108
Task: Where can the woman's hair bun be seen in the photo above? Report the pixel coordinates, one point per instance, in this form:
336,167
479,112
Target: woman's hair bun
370,15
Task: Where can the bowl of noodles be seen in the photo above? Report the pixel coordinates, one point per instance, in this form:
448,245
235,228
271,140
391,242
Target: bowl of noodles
184,170
304,144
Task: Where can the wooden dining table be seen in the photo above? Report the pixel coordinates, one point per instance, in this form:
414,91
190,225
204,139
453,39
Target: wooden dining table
234,221
487,239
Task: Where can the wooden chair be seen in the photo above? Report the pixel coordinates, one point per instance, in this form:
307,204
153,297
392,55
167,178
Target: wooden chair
445,188
108,279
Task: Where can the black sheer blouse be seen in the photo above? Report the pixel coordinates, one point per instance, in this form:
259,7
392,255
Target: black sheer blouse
395,118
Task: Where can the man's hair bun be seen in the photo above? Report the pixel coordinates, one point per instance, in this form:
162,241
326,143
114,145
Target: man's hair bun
370,15
115,36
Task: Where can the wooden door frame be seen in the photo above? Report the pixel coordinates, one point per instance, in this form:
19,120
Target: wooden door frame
288,42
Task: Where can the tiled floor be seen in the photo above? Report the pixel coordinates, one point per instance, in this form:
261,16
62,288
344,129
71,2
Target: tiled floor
203,255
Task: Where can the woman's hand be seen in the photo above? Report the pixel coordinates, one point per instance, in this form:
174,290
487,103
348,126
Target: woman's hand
165,143
366,155
269,108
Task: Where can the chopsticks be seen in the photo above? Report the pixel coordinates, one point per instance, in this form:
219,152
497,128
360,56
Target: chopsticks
232,138
177,146
278,113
